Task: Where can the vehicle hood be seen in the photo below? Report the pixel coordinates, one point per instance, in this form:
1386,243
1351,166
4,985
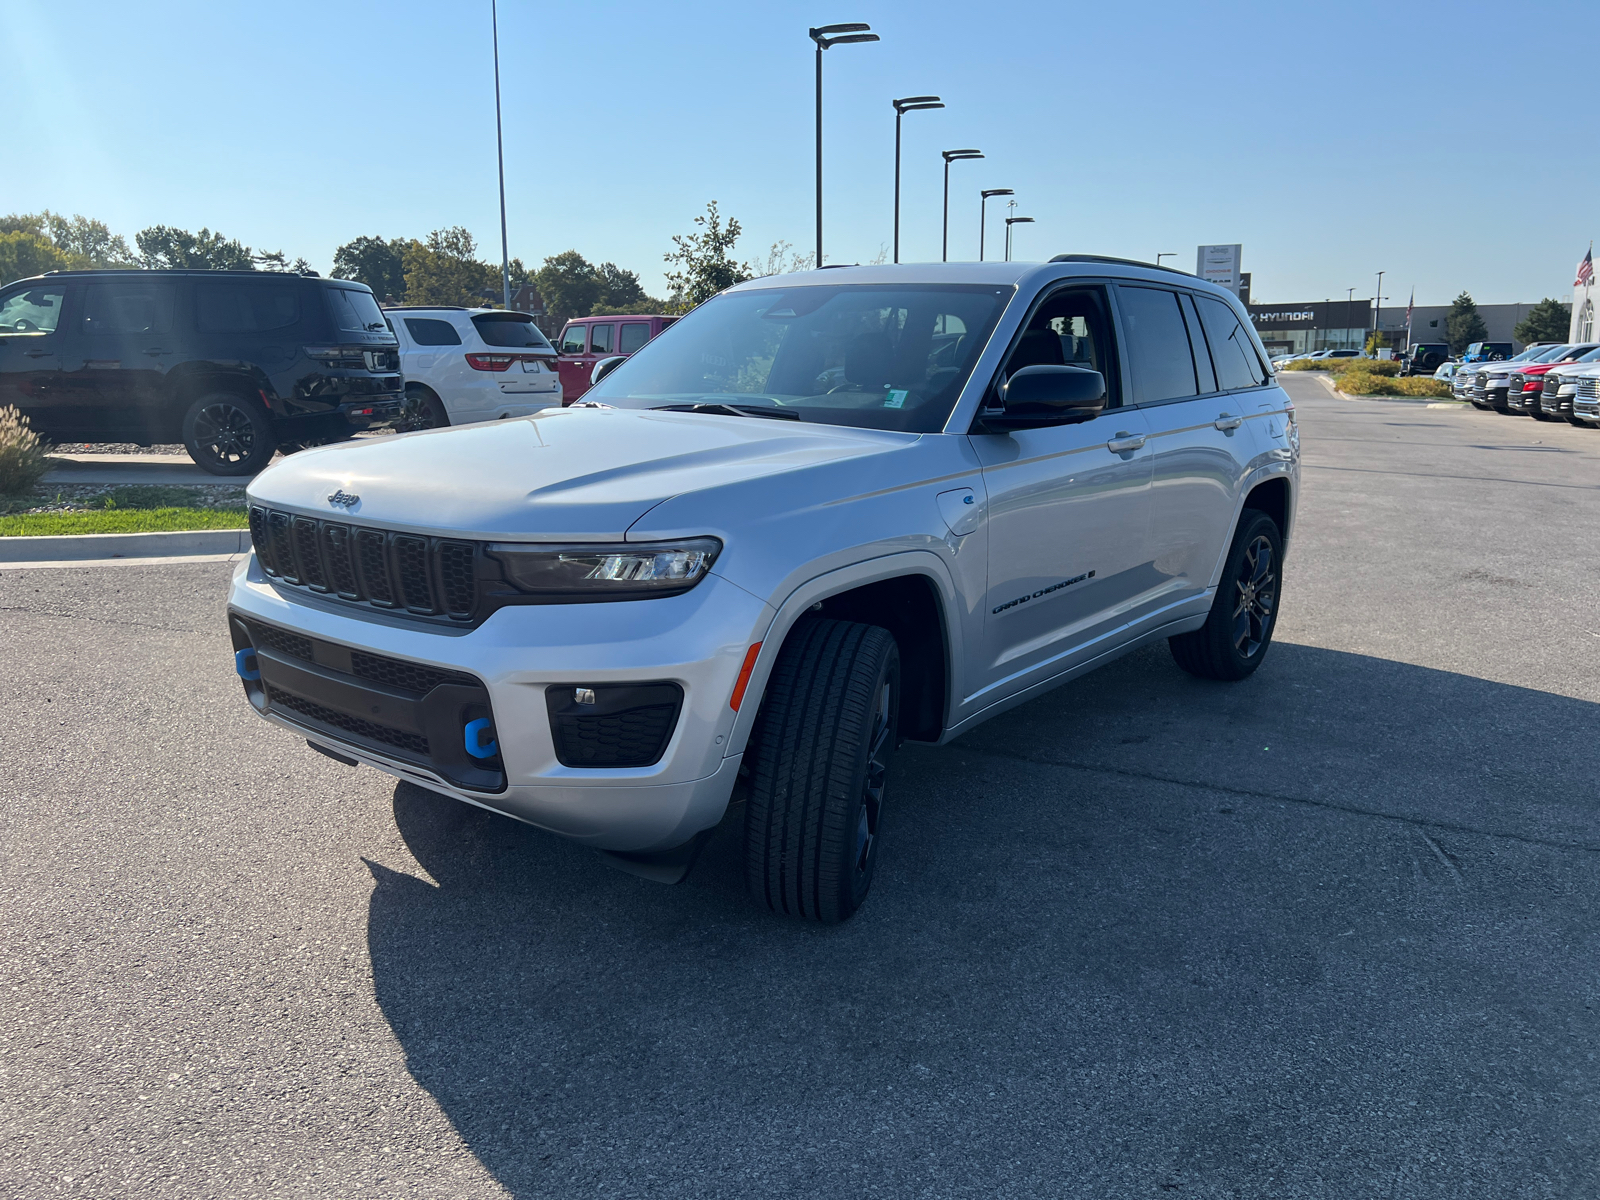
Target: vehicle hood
562,474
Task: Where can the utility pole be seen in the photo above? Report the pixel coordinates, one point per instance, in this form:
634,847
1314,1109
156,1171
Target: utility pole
500,155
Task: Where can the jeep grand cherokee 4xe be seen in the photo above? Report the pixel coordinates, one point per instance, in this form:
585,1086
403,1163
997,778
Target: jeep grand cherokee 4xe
822,514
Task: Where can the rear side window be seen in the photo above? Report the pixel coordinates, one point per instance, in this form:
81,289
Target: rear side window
245,308
509,329
132,307
1158,344
572,339
1235,357
633,336
600,338
356,312
426,331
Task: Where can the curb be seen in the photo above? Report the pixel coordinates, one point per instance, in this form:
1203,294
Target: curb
77,547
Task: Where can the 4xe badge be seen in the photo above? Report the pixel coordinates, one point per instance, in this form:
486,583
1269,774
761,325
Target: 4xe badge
344,499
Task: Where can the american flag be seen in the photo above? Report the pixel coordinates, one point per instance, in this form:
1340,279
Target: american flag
1410,305
1585,270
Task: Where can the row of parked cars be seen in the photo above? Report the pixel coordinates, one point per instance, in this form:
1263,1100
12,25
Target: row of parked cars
238,365
1549,381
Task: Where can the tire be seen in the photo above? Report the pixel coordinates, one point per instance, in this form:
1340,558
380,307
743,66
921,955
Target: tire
819,761
1238,632
228,434
422,410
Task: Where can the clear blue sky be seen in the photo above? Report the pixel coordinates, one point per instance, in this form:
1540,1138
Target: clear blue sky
1332,140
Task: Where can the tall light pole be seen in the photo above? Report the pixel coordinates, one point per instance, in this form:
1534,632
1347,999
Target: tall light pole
949,157
1010,221
500,155
983,212
901,108
826,36
1377,305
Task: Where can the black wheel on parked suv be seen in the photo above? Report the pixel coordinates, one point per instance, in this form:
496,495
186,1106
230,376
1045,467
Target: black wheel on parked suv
421,410
227,434
819,761
1238,631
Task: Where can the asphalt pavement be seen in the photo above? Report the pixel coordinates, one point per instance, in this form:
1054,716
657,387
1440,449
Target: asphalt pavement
1330,932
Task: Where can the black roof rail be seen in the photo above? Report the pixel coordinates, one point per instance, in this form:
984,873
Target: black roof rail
1121,262
433,307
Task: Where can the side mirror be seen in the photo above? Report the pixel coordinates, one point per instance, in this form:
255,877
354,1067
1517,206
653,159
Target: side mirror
1048,395
605,366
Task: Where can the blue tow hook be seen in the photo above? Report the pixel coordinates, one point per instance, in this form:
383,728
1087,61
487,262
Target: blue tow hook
245,663
480,738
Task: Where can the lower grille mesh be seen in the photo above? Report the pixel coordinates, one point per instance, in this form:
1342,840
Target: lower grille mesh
372,731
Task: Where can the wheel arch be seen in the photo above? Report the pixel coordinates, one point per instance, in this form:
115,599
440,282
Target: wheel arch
911,595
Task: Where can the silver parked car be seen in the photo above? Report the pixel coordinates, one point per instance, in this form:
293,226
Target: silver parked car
822,514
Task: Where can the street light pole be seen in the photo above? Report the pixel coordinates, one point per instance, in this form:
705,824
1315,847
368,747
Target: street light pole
1377,306
500,155
1010,221
949,157
1165,254
901,108
826,36
983,213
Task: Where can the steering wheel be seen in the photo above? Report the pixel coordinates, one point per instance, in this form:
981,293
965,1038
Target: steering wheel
24,325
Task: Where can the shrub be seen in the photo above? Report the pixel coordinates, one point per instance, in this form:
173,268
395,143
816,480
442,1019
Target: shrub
1337,366
22,454
1363,383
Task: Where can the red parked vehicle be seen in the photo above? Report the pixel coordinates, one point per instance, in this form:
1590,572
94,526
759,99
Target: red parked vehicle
587,340
1525,386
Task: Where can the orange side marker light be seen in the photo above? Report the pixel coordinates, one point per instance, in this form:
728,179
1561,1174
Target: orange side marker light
744,677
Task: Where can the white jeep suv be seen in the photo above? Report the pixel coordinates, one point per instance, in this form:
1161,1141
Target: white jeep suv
822,514
463,365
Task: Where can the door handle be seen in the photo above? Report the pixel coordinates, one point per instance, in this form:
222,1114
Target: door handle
154,350
38,353
1228,422
1125,442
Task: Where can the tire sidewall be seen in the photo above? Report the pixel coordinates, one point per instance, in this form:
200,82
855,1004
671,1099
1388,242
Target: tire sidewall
856,884
1255,524
264,443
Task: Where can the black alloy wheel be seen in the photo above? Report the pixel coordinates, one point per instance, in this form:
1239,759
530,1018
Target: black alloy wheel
1238,630
227,434
421,409
819,763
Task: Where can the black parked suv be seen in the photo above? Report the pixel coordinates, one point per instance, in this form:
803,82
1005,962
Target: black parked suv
234,364
1426,358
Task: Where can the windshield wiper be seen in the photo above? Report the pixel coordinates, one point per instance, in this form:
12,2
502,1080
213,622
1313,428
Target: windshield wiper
734,410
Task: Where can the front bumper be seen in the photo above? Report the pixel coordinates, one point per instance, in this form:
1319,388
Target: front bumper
697,641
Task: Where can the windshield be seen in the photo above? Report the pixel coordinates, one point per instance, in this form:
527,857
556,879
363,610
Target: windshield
509,329
882,357
1551,354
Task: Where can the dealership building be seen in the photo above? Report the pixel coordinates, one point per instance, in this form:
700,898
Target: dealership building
1344,324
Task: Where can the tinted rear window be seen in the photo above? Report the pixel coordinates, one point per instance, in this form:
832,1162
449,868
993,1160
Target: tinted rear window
133,306
356,311
510,329
1231,351
430,331
632,337
1158,344
245,308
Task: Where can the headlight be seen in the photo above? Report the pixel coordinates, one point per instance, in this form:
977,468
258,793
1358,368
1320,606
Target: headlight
613,572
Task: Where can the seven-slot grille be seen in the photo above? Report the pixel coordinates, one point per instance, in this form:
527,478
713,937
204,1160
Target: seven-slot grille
401,572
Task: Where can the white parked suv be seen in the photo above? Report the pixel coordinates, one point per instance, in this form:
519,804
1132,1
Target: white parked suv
463,365
822,514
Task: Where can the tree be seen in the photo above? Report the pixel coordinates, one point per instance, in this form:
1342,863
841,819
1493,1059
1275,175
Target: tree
571,285
23,254
1464,325
1547,321
164,248
377,263
780,261
704,268
443,270
89,243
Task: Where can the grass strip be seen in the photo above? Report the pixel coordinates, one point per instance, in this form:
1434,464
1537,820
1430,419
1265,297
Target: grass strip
122,520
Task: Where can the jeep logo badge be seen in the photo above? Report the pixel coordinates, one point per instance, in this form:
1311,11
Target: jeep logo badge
344,499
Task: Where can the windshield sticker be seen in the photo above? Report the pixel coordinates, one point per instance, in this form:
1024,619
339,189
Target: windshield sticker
897,399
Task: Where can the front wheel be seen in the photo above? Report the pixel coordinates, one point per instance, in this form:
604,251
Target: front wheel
819,761
1238,631
227,434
